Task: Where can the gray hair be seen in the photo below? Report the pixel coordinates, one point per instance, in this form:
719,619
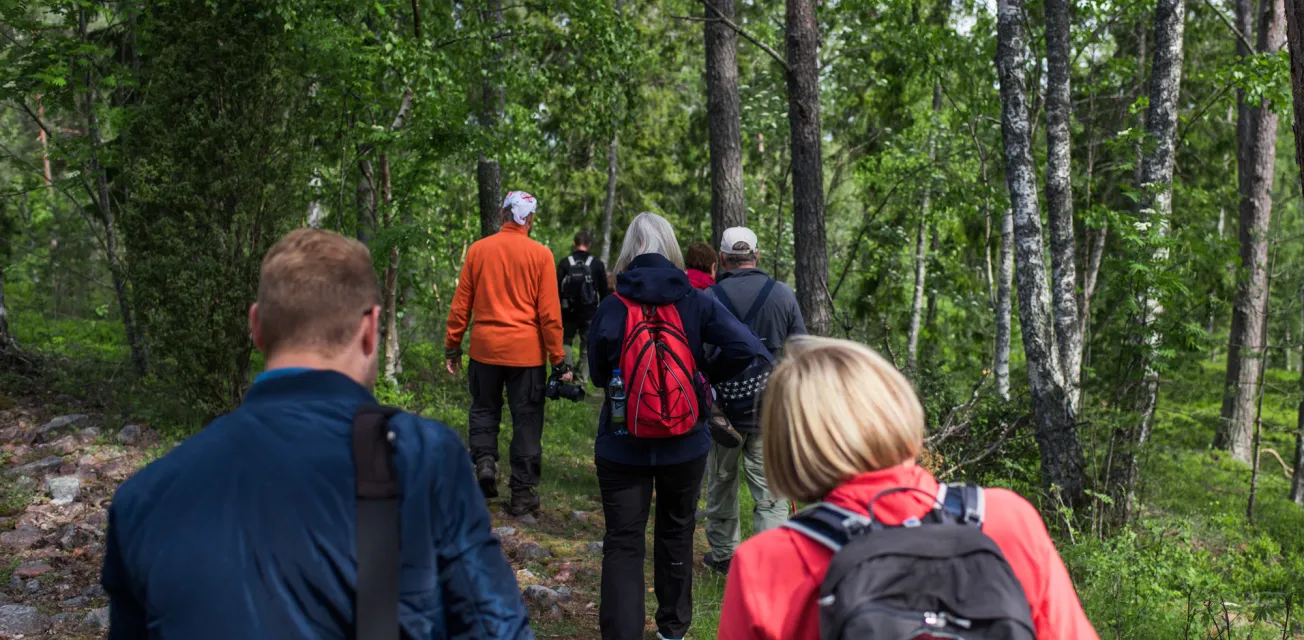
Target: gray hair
736,260
649,233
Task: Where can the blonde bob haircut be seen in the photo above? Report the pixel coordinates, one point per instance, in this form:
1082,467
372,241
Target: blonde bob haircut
835,409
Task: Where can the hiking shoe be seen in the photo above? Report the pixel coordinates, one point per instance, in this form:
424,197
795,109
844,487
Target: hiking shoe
722,432
523,501
486,473
661,637
719,566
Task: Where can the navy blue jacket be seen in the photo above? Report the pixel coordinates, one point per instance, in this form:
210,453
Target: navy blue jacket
247,530
653,279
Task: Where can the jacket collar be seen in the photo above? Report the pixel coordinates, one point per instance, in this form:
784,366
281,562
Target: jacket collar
512,227
856,493
741,273
307,386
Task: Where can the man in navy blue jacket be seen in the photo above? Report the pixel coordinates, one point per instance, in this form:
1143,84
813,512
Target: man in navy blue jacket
248,529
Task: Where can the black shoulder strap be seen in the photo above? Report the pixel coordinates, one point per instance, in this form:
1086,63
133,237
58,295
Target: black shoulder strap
760,301
376,598
827,524
724,300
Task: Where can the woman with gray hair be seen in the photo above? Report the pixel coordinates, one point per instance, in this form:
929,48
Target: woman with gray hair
659,441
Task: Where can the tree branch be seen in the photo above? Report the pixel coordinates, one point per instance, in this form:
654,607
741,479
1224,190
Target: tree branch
742,32
1240,36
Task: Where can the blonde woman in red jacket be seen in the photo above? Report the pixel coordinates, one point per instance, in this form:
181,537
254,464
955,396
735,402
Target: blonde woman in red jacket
841,424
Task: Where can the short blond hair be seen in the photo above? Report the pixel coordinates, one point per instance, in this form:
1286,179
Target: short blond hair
313,290
835,409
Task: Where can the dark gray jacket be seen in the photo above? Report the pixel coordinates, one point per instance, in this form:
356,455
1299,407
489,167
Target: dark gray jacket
779,317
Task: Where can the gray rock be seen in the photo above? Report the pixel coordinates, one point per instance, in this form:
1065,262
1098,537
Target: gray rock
44,465
526,574
531,551
564,593
555,611
33,569
4,599
63,489
23,537
503,532
527,519
594,547
97,618
542,595
75,602
65,619
579,516
16,583
89,434
71,537
32,587
94,591
129,434
60,426
24,482
17,619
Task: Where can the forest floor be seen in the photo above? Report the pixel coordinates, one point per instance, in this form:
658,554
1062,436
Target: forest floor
1190,557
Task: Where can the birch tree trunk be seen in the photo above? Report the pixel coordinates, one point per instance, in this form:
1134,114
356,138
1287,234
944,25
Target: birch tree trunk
1059,198
1053,412
1004,291
609,205
921,252
104,205
1256,153
1154,207
1294,10
6,338
488,173
809,245
389,288
365,198
728,208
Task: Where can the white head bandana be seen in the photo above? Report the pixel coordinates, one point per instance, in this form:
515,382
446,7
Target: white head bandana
522,205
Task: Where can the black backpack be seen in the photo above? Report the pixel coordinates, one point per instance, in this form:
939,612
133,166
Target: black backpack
577,290
740,396
931,578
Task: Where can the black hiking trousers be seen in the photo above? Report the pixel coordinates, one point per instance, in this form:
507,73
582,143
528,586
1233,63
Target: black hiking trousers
626,501
524,387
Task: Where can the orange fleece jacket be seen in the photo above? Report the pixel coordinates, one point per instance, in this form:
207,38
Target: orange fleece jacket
509,285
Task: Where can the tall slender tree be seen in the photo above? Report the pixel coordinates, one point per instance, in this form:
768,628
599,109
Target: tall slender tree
1053,412
921,249
809,245
488,173
613,164
728,206
1256,131
1059,198
1294,10
1004,292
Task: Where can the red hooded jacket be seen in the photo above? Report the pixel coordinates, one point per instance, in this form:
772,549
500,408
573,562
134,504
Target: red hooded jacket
699,279
774,581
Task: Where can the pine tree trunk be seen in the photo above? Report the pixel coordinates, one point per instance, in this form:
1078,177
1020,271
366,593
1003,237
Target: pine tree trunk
808,234
1155,207
104,205
1056,432
488,173
609,205
1297,481
1294,10
1256,151
1059,198
1004,292
728,208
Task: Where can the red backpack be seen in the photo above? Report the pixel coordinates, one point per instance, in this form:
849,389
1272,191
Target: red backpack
660,372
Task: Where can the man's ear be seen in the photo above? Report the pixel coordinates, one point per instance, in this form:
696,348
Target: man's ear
758,257
370,330
255,329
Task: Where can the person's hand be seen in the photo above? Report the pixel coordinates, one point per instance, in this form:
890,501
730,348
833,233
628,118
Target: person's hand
567,377
453,365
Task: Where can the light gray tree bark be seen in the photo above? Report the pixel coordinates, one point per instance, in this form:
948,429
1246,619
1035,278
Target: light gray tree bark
488,173
1004,291
921,252
1256,153
810,247
6,338
1059,198
728,206
613,166
1053,412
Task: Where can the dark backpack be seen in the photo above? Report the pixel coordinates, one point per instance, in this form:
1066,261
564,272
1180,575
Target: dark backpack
939,577
740,396
577,290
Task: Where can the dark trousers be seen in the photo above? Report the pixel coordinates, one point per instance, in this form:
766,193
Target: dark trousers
524,386
626,499
573,325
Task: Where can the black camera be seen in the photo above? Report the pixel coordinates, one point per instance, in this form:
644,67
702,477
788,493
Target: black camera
558,389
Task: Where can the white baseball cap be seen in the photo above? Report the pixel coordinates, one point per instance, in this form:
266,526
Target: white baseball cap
738,241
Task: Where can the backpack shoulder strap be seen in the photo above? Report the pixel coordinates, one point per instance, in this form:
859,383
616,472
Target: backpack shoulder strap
760,301
724,300
588,262
962,503
570,260
827,524
378,539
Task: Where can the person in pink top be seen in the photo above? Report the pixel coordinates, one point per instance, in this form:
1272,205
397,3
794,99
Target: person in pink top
700,262
841,425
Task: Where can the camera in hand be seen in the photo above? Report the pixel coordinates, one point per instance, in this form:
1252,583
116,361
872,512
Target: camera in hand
558,389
